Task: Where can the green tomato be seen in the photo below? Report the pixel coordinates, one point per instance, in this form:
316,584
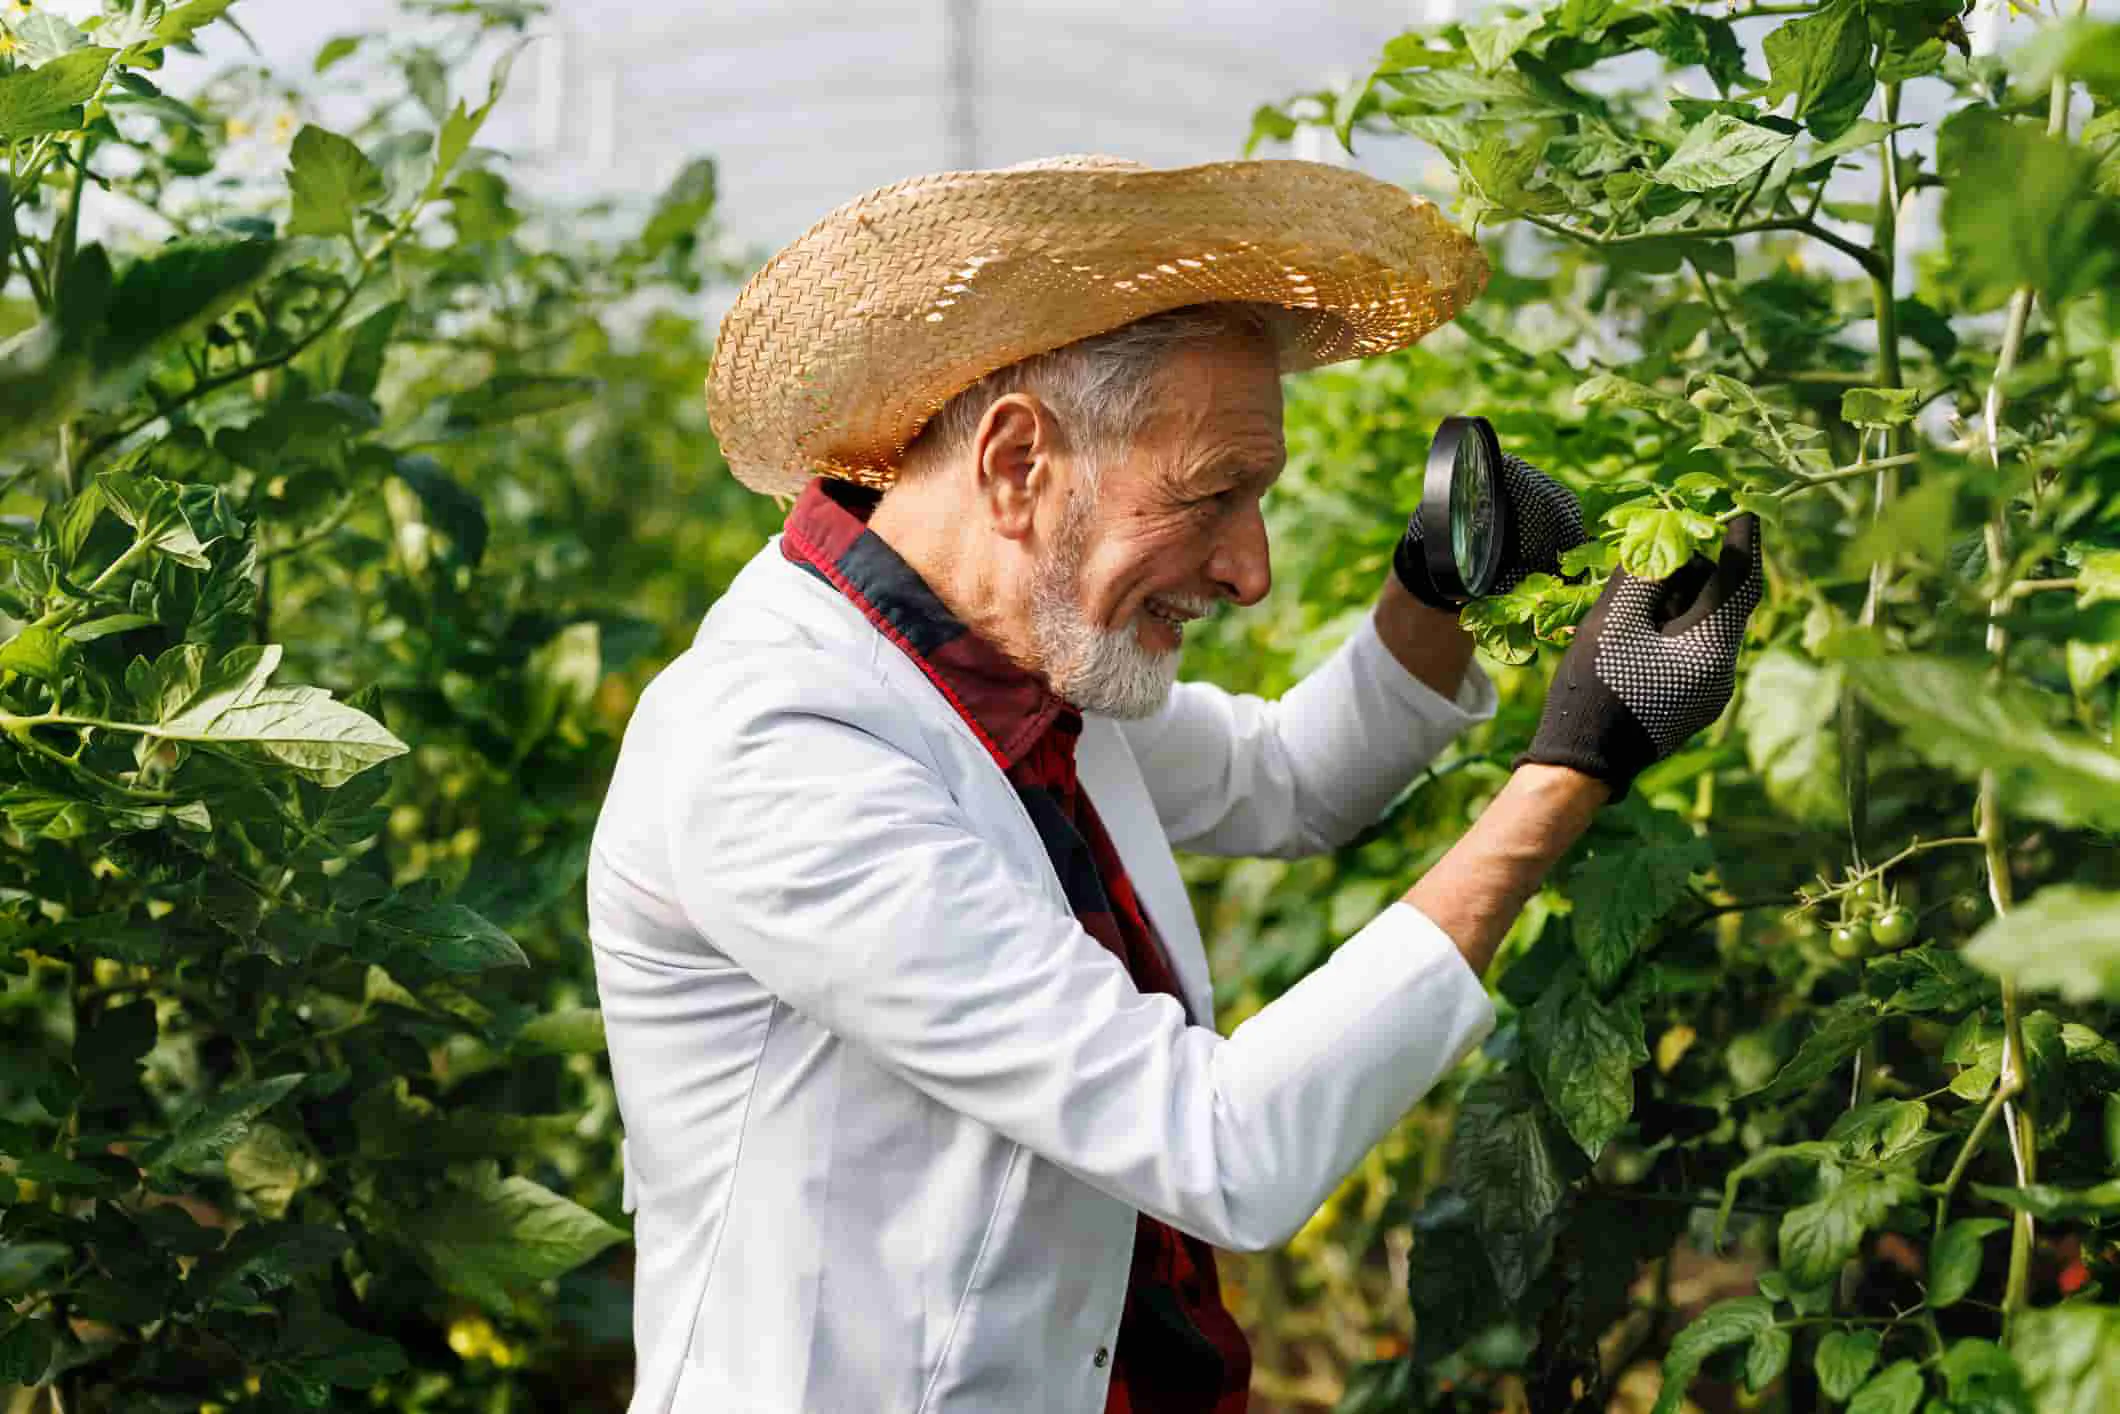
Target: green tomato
1894,928
1867,894
1850,940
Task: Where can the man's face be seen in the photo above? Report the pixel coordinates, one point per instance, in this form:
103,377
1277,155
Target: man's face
1176,527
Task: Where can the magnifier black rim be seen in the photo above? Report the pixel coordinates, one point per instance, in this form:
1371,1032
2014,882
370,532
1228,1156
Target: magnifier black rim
1436,545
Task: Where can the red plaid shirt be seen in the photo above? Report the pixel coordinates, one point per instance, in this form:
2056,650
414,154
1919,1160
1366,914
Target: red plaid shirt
1179,1350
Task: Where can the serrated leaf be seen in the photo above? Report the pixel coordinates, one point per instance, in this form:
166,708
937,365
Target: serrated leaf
1954,1262
333,181
448,935
1494,40
1929,978
1620,893
2070,1357
1818,1237
2052,1202
1726,1323
1881,1129
48,99
1449,1283
39,653
1896,1389
2065,939
487,1237
1878,407
1839,1033
43,37
1583,1058
1786,713
1845,1359
1655,542
1823,60
215,1126
1954,718
1721,151
181,22
1767,1358
1501,1161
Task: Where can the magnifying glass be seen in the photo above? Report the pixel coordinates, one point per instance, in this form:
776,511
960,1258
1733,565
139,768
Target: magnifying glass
1462,508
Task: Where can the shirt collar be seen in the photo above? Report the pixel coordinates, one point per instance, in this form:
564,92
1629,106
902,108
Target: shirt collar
1008,707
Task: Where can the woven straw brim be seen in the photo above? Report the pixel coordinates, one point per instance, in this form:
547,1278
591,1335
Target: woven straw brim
840,349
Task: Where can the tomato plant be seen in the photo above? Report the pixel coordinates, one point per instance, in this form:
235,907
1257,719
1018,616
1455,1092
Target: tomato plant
346,496
1805,1068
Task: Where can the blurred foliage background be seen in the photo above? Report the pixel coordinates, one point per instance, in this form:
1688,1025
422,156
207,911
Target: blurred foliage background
348,502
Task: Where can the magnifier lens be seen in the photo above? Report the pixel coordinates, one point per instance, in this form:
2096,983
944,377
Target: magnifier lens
1473,522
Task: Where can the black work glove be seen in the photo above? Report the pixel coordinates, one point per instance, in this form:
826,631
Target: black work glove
1654,662
1543,520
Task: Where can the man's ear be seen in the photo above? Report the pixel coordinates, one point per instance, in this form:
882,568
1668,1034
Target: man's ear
1013,461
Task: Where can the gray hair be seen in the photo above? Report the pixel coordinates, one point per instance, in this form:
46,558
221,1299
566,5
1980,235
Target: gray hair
1103,387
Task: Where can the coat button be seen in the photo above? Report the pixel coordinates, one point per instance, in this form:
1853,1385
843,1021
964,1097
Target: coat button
1103,1357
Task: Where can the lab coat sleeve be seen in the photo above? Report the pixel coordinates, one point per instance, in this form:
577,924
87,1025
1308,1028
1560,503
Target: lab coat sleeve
837,869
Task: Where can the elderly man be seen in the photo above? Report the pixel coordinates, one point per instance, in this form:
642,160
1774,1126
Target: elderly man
908,1013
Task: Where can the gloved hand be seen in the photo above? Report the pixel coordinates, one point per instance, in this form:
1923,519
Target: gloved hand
1654,662
1543,520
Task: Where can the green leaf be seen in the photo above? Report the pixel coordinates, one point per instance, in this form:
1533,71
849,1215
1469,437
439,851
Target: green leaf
23,1265
176,290
1839,1033
507,396
1878,407
1620,892
1929,978
48,99
1501,1161
1954,1262
2020,208
333,182
1449,1281
462,125
1817,1238
1583,1057
181,22
685,203
2070,1357
2050,1202
1767,1358
1879,1130
1955,719
1654,542
43,37
1721,151
335,49
1787,712
1844,1360
2098,578
1896,1389
1982,1379
448,935
1865,132
25,1352
300,728
1494,40
487,1237
562,676
269,1166
2065,938
1724,1324
1824,61
38,653
212,1129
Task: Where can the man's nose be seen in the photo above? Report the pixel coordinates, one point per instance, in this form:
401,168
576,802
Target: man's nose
1242,565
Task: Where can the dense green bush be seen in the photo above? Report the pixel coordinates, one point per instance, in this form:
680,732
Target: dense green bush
1767,1007
288,1121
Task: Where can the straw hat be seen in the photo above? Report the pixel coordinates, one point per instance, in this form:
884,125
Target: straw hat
840,349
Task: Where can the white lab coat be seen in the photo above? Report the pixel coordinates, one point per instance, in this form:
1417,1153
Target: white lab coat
890,1111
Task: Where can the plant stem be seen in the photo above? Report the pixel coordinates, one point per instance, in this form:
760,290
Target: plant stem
1843,473
2005,1091
1707,289
2038,586
1860,254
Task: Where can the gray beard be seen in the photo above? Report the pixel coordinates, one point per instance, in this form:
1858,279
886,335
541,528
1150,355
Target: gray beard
1106,671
